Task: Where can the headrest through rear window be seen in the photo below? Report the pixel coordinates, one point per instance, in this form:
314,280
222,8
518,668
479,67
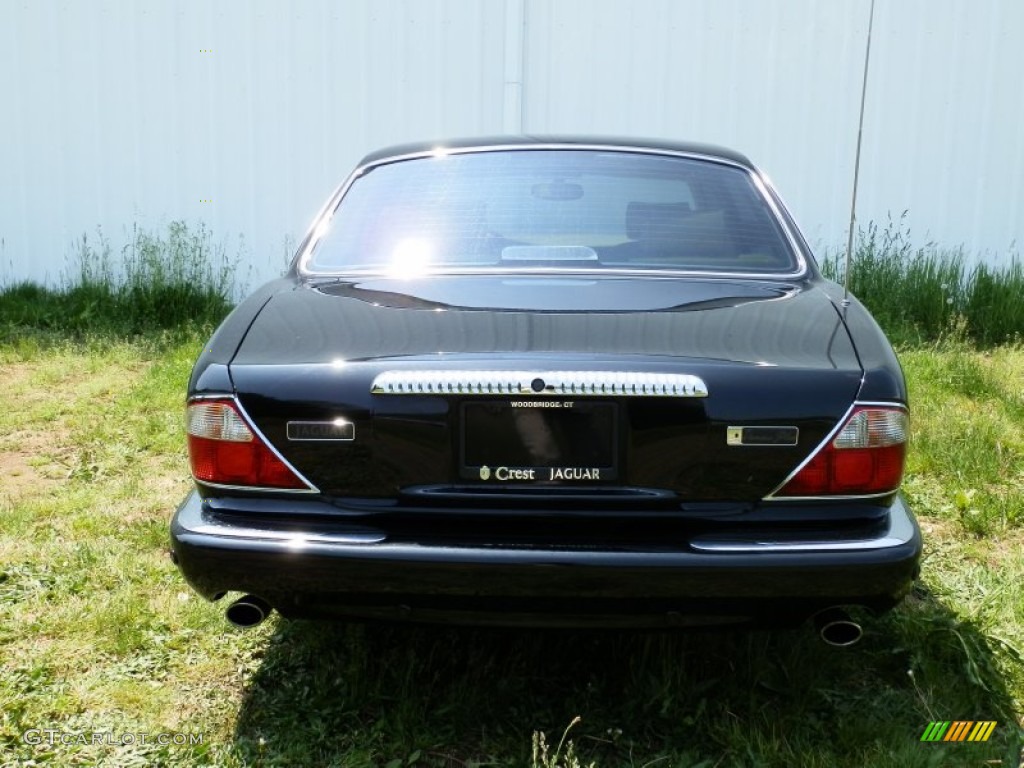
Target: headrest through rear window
655,221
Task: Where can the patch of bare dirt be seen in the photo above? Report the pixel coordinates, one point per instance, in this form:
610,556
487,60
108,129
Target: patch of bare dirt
27,467
37,450
20,385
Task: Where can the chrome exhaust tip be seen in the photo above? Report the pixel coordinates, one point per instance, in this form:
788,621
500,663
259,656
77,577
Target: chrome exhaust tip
248,611
836,628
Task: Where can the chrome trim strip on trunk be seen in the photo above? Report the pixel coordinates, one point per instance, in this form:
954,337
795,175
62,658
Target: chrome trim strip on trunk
544,383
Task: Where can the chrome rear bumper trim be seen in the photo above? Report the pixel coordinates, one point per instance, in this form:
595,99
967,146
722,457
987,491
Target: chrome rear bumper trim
900,531
294,539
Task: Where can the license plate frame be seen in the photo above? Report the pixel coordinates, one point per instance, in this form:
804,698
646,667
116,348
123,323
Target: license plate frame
549,441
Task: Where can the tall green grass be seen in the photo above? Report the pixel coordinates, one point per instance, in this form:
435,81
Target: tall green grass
920,294
161,281
183,278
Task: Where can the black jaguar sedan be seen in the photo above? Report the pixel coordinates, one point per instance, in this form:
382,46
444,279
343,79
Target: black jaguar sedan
556,381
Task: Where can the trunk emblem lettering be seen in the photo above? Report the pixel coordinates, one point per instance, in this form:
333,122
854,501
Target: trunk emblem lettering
337,430
762,435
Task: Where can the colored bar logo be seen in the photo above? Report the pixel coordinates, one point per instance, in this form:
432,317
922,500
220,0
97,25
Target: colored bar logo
958,730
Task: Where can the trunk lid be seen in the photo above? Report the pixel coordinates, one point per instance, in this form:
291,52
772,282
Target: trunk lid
769,354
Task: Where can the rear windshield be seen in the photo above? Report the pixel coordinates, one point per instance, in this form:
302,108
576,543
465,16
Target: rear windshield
542,209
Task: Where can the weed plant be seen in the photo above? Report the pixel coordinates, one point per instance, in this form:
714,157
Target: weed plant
162,281
919,294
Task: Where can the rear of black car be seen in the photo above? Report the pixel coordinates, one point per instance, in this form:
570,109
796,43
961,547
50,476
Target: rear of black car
645,410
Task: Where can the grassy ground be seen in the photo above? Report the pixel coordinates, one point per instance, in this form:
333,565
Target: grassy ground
101,640
98,633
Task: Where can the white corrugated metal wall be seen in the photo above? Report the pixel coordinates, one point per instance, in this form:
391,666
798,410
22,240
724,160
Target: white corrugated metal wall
117,112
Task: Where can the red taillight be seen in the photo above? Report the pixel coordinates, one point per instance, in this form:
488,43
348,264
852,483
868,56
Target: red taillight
223,449
865,457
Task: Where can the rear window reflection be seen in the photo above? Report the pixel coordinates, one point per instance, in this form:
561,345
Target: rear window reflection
573,209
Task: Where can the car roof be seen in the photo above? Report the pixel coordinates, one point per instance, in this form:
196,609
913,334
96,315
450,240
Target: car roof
568,141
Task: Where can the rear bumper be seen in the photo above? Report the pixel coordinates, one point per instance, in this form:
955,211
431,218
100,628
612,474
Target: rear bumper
357,571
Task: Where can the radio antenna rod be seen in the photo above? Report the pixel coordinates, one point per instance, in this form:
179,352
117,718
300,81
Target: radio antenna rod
856,161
